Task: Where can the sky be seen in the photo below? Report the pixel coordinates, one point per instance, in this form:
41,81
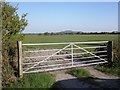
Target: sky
76,16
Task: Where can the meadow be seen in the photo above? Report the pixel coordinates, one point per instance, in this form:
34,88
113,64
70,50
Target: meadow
36,38
68,38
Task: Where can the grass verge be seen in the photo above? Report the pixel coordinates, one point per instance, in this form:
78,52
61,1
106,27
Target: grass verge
38,80
109,70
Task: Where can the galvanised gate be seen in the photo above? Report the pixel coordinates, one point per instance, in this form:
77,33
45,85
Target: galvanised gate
42,57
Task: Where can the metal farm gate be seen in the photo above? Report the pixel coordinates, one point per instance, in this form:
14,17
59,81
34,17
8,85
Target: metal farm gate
42,57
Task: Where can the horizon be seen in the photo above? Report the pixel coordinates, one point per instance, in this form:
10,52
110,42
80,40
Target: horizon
76,16
66,31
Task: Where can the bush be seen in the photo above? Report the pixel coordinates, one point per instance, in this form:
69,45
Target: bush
12,25
9,64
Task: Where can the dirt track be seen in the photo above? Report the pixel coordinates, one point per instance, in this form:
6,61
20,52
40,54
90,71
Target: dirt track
65,80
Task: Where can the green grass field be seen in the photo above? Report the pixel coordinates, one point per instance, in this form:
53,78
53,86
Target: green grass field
68,38
65,38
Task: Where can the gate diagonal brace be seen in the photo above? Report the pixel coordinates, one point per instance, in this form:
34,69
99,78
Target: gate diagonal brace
47,58
89,52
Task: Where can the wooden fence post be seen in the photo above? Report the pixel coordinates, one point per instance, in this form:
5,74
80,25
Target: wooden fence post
20,70
110,52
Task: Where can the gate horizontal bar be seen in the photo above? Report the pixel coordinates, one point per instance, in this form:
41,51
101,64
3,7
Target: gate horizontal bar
63,54
35,44
88,57
65,59
46,61
64,49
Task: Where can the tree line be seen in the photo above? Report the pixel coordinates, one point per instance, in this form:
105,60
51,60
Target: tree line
71,33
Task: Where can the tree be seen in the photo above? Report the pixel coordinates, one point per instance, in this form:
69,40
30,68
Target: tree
12,23
12,26
46,33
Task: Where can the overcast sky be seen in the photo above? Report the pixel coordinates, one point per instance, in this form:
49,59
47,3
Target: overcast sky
76,16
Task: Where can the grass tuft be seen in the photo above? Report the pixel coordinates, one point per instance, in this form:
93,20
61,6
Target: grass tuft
81,73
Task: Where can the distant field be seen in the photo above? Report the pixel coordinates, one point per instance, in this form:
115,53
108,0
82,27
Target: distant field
65,38
68,38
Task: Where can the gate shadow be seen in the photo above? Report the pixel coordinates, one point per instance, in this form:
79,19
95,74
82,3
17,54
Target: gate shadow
88,83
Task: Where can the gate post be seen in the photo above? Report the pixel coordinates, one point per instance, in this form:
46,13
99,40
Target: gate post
72,53
109,52
20,70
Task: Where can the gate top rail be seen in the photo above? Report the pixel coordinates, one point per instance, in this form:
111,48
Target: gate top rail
36,44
